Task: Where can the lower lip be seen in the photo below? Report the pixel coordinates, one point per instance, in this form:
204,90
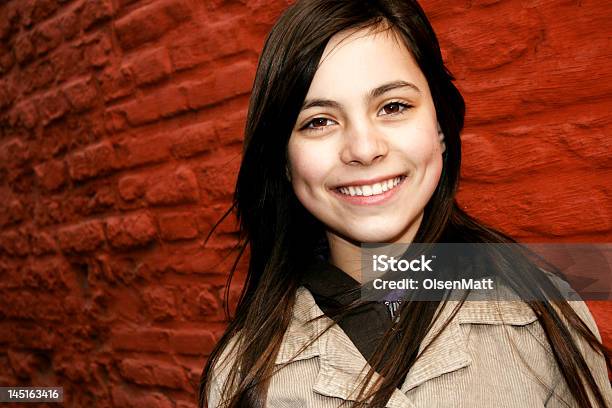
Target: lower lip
376,199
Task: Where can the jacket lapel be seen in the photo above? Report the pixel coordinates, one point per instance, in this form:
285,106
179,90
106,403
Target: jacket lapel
342,367
449,352
444,354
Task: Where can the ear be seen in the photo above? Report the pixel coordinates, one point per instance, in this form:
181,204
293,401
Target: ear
287,173
441,138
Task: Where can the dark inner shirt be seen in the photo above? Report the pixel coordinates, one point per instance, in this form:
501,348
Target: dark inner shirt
329,286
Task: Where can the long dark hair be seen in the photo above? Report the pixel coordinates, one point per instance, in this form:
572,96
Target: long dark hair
282,236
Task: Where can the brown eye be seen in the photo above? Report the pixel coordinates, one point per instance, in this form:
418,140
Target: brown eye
394,107
317,124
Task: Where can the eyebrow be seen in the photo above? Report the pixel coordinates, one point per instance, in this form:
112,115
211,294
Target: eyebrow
374,93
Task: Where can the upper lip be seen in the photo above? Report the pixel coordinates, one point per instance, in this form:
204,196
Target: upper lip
365,182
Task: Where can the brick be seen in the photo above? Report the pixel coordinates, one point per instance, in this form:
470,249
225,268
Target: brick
7,94
81,94
132,187
95,11
540,210
47,37
123,3
162,103
117,269
92,161
27,114
49,212
176,188
23,364
34,337
84,237
130,231
68,62
94,199
97,52
193,341
25,12
15,242
24,49
7,59
43,243
42,9
232,129
7,333
219,40
68,23
32,305
150,66
224,173
52,106
190,404
8,21
188,258
142,340
139,151
224,84
129,399
115,121
37,75
148,372
174,227
51,174
73,368
203,302
14,153
11,211
46,273
194,140
150,22
160,303
115,83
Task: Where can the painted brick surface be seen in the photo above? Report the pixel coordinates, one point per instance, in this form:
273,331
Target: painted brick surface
120,130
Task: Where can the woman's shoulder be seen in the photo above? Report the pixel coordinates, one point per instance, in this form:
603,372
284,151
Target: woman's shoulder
575,302
220,370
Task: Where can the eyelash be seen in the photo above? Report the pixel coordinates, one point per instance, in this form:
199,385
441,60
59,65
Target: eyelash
401,104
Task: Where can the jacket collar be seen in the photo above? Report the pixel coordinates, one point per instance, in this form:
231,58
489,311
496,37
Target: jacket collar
341,366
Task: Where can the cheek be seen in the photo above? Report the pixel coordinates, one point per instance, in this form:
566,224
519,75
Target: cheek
309,164
421,146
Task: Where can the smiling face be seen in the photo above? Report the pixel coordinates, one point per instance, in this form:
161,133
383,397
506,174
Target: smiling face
364,154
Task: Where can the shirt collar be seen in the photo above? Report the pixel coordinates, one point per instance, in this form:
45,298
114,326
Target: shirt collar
330,284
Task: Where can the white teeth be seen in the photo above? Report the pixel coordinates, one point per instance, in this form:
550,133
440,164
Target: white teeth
369,190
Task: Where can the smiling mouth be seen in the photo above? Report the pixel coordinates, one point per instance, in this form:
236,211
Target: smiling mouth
371,189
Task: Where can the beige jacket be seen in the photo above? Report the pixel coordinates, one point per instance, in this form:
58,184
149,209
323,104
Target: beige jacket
488,356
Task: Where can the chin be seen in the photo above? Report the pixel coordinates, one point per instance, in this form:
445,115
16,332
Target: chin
374,236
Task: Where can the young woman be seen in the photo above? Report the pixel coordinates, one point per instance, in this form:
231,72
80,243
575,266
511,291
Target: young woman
352,137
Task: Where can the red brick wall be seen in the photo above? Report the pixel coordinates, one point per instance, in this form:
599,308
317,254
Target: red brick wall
120,140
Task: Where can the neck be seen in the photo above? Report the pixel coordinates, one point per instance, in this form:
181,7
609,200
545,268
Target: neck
346,254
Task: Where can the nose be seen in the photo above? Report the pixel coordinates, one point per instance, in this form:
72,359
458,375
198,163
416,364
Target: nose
364,144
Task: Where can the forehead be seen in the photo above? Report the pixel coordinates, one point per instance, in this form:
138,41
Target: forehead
363,58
